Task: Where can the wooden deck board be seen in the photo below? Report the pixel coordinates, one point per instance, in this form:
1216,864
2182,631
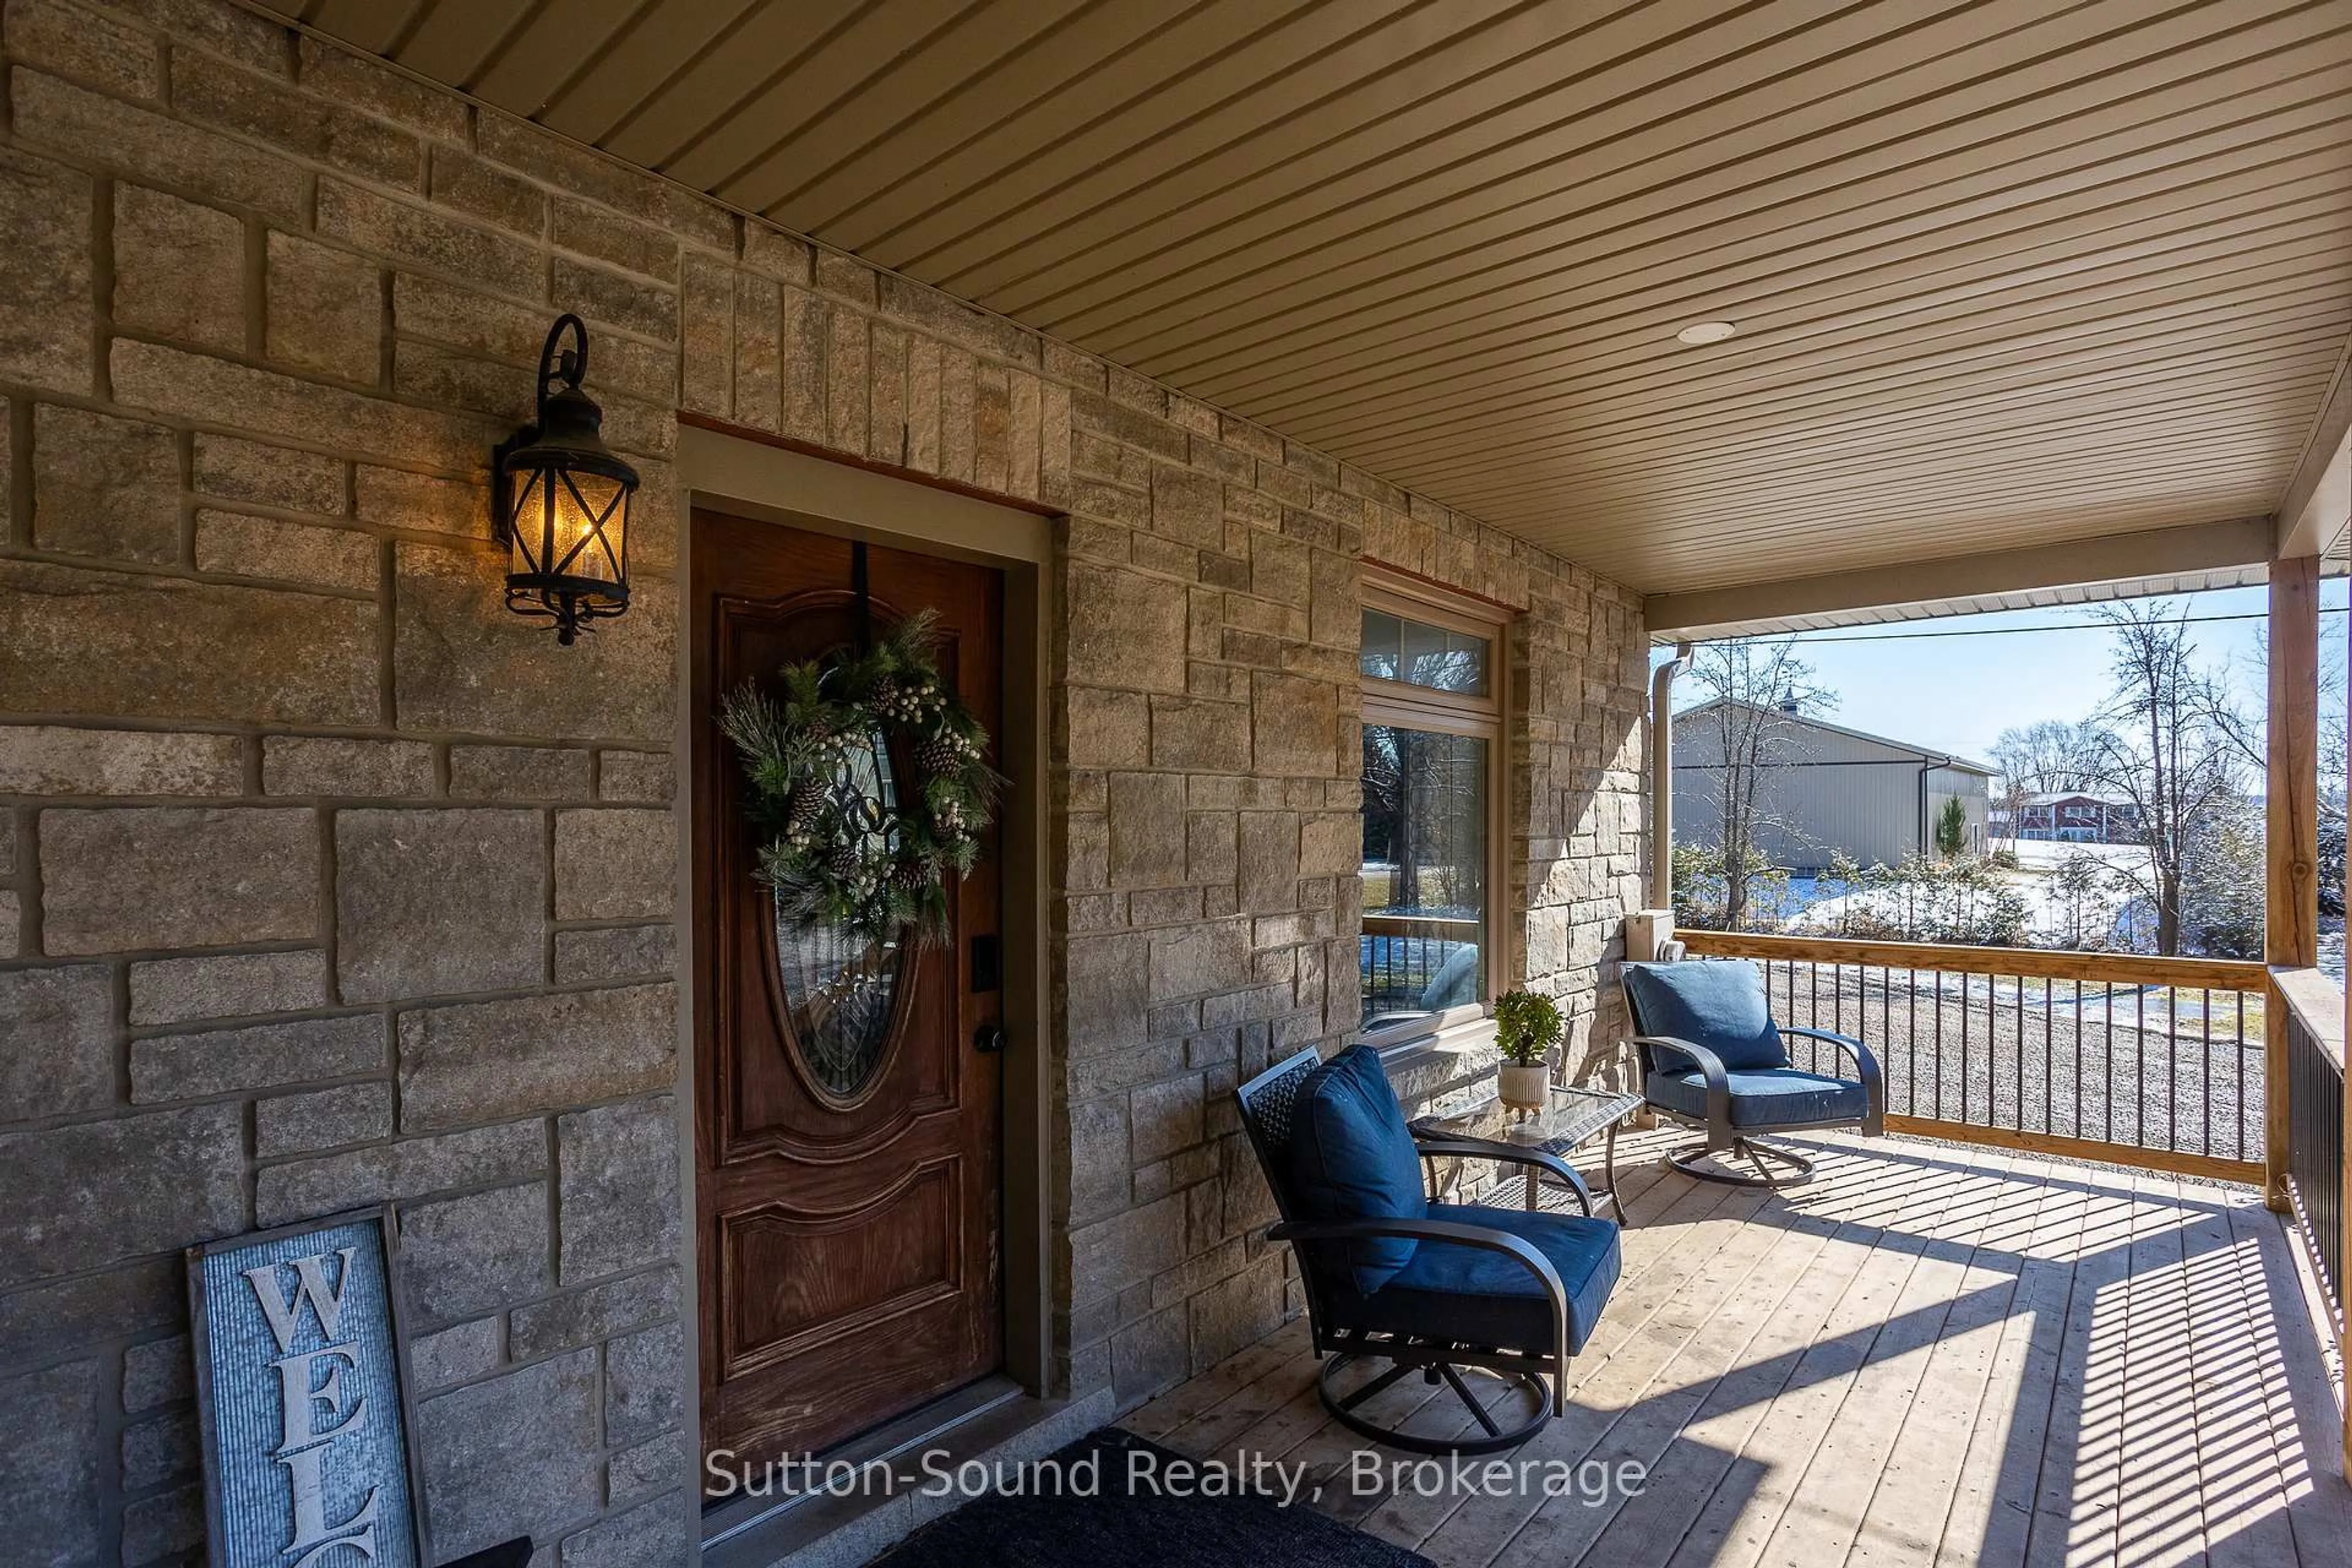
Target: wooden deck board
1442,1413
2286,1361
1923,1404
1661,1253
2159,1515
1992,1496
1788,1449
1934,1354
2245,1498
1646,1431
1672,1305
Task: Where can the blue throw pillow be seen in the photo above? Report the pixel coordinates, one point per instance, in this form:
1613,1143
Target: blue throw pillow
1352,1157
1716,1002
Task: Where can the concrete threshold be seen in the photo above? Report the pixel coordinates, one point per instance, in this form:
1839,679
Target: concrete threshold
991,1423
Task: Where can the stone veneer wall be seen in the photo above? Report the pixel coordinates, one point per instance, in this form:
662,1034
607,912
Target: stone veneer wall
324,881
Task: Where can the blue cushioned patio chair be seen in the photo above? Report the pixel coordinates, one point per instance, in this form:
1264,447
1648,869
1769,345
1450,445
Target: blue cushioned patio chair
1428,1287
1711,1055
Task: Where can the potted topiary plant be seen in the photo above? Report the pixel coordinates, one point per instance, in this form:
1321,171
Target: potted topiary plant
1526,1026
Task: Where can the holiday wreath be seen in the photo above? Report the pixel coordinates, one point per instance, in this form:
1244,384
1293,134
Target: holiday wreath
847,845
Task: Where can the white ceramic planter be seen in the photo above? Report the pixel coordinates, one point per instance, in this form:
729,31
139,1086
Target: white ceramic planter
1525,1089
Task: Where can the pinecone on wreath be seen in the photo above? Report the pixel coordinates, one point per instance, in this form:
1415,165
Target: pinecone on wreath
912,876
841,860
801,808
938,755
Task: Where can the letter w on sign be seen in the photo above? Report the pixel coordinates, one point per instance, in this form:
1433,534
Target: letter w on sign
314,1292
299,1388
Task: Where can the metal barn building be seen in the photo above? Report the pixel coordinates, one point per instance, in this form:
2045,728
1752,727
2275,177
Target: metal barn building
1822,787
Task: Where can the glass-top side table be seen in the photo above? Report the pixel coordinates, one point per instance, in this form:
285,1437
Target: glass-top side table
1569,1118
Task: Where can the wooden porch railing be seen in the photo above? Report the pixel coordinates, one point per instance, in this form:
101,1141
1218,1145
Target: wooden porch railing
2156,1062
2309,1158
2313,1005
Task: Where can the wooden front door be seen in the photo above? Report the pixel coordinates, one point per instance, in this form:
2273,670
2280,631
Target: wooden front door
847,1148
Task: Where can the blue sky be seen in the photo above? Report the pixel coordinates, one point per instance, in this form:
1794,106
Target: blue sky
1957,694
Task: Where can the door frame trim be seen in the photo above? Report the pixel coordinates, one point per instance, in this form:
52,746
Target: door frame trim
747,478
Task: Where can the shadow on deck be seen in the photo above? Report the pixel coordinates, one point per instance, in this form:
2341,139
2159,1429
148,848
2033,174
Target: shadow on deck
1934,1354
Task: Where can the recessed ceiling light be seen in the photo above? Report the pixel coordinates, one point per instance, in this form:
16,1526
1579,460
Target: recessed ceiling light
1706,333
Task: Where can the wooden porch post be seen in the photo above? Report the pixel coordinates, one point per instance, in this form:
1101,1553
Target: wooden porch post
2290,924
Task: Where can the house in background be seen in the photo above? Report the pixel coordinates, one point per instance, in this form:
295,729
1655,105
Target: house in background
2077,817
1821,788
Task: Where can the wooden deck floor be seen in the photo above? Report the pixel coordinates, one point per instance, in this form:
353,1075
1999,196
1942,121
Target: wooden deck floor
1933,1354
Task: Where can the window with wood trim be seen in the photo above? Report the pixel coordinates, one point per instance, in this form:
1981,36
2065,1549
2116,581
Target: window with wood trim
1433,669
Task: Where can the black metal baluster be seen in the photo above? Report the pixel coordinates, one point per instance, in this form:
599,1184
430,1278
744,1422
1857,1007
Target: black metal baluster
2109,1011
1939,1048
2021,1056
1812,1046
2077,1074
1887,1009
2239,1051
2172,1068
2139,1066
1964,1045
2049,1076
1837,1015
2208,1070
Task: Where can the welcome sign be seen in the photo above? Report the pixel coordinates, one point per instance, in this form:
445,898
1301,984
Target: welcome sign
299,1381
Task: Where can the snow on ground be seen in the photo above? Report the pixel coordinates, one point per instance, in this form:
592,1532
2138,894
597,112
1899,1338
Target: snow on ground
2035,877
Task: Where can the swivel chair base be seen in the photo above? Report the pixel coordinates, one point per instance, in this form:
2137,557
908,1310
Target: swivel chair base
1690,1159
1494,1439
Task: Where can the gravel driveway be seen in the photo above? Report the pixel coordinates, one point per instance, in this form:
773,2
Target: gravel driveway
2118,1064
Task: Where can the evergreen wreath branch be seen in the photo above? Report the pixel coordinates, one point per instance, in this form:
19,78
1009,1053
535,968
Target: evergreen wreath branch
835,856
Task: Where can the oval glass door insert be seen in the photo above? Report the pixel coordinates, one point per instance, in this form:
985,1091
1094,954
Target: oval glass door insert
840,988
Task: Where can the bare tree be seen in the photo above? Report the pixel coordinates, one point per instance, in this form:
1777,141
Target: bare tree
2048,757
2169,741
2335,750
2045,758
1759,689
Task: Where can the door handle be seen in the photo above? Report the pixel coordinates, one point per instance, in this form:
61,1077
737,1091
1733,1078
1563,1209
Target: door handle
990,1039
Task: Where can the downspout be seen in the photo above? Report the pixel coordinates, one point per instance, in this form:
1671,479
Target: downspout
1662,777
1927,764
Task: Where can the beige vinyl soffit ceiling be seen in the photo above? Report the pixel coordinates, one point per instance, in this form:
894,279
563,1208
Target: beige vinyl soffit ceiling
2003,273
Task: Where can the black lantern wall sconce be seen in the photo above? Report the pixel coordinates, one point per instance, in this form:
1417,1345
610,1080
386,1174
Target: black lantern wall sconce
562,499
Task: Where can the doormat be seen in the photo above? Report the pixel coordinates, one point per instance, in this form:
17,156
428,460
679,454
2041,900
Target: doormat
1103,1500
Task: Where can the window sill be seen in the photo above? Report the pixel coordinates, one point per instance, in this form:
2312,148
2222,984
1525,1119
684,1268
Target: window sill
1446,1070
1460,1035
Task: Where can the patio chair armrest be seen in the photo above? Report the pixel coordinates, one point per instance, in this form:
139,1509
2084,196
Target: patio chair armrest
1711,1072
1512,1153
1486,1238
1865,1065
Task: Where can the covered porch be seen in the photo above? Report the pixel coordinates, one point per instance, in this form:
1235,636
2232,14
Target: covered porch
1187,365
1934,1353
2082,1304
